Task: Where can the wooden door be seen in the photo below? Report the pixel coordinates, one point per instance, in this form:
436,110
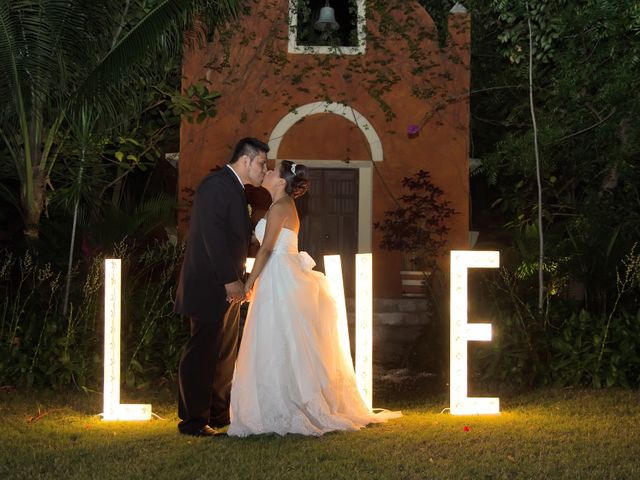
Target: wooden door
329,219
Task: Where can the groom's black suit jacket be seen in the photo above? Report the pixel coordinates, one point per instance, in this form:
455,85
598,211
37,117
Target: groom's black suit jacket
219,235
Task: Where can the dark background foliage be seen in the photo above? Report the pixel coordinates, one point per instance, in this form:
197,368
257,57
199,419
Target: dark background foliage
586,59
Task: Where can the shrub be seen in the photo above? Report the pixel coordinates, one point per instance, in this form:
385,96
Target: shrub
41,347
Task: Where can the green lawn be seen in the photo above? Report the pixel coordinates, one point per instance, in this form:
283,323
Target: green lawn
545,434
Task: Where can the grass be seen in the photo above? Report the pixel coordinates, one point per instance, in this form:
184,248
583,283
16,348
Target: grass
545,434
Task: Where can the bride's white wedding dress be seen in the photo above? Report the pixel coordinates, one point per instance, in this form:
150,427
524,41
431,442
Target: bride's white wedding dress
294,372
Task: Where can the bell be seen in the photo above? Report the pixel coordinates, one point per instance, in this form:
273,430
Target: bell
327,19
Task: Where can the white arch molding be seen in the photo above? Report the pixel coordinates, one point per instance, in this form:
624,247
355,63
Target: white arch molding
365,180
341,109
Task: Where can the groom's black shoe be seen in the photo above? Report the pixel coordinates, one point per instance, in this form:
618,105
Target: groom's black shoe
205,431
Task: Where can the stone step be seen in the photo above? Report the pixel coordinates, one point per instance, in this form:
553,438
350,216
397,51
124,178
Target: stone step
383,305
395,312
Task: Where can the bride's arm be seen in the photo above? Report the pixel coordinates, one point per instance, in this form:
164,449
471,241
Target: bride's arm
275,221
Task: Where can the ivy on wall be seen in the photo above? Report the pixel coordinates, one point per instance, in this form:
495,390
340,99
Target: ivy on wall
388,22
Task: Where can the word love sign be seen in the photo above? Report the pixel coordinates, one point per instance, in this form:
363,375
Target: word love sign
461,332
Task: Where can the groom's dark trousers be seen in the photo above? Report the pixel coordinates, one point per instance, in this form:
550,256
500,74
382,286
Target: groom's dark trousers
206,370
219,234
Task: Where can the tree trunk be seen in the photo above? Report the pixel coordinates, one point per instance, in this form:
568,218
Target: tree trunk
32,210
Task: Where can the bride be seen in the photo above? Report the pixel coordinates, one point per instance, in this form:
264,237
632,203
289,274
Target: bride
293,374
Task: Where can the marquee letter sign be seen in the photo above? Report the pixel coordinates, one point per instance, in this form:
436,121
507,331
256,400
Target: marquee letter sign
364,327
364,346
462,332
113,409
333,270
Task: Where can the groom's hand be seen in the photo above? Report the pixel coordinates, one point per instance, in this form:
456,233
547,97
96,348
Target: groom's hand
235,291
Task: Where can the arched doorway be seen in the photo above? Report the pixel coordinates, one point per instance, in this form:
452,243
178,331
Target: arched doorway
339,146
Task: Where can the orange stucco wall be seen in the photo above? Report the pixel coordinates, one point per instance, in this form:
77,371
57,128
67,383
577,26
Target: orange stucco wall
324,136
260,83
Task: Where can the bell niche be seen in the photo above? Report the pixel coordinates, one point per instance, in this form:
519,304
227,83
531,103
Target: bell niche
328,23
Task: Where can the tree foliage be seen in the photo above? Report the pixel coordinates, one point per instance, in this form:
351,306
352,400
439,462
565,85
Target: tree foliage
60,56
586,57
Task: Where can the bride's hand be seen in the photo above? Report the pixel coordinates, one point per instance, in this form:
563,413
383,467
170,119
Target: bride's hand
248,292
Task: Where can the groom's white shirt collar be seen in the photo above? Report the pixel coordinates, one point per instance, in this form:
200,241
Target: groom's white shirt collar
234,172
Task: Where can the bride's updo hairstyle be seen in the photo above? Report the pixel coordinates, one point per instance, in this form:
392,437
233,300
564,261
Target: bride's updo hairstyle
296,177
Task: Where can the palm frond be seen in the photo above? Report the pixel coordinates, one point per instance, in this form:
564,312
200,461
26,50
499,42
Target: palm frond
72,43
11,68
161,30
54,51
156,211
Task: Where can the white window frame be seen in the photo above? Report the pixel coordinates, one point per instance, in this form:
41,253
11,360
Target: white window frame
326,50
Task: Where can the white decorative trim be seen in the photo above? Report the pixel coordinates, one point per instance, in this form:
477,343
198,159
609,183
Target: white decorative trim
317,50
341,109
173,158
458,8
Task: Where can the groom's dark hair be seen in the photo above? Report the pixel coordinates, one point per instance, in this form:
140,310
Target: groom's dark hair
248,146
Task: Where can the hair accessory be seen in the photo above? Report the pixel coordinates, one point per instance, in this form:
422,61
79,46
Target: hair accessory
293,168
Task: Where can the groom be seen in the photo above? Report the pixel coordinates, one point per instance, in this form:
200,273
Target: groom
210,280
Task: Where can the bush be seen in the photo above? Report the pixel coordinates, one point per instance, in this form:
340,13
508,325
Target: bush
41,347
417,227
564,345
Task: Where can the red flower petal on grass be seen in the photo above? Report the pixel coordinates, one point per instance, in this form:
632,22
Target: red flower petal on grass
466,429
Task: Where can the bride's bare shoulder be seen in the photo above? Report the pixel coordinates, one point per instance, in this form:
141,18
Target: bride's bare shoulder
284,213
